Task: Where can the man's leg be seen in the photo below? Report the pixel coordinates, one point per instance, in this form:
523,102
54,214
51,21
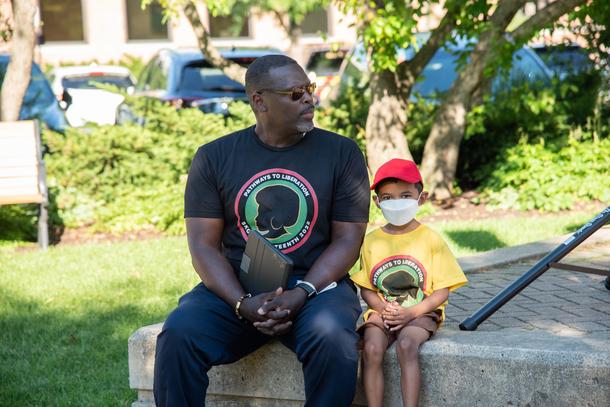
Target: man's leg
201,332
324,339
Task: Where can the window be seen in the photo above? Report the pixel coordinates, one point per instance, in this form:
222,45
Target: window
315,22
62,20
225,27
145,24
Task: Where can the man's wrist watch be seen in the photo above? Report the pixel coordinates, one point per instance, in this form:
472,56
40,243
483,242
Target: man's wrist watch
309,288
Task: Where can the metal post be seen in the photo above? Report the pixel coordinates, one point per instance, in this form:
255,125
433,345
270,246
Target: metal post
43,227
471,323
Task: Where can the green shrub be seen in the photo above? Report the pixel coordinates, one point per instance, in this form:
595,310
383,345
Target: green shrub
551,177
131,177
347,114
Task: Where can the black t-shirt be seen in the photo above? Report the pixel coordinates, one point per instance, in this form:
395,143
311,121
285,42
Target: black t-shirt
290,195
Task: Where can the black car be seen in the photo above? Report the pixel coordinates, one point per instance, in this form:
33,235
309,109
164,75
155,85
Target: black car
185,78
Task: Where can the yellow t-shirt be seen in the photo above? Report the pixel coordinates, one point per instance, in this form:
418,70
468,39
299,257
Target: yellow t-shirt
408,267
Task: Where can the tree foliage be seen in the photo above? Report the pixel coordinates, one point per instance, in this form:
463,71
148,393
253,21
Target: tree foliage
388,25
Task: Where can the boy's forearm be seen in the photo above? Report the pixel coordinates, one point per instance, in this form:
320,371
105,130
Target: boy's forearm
372,299
432,302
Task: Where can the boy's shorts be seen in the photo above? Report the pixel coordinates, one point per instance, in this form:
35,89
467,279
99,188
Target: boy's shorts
430,322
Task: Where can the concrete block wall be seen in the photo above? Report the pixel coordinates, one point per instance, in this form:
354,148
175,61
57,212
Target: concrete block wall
508,367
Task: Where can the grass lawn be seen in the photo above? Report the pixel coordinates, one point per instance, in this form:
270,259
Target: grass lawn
65,315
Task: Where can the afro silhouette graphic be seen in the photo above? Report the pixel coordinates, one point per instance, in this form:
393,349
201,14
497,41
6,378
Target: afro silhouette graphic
278,208
402,287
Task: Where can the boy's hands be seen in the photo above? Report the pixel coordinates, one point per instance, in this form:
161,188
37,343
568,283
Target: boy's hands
395,317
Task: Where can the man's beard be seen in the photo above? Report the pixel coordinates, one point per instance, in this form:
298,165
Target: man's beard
305,127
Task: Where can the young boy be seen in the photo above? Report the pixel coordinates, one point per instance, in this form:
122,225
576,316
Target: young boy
406,274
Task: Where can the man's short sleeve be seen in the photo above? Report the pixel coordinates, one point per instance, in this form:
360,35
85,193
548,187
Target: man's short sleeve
352,194
201,197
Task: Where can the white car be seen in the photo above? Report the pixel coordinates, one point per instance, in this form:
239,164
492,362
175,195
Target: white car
76,87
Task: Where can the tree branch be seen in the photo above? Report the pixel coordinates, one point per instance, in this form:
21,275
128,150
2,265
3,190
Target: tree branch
280,18
211,53
544,17
408,71
505,12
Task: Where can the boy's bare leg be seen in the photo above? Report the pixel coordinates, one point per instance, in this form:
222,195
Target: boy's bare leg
375,345
407,348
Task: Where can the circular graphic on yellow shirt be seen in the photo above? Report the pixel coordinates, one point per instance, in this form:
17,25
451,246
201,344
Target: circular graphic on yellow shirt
401,279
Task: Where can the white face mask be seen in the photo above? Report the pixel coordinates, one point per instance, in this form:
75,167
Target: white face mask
399,212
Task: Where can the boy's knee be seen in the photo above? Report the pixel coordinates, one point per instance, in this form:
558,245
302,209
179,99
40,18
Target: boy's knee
373,352
407,348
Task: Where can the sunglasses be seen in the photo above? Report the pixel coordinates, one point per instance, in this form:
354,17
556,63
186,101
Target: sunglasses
295,93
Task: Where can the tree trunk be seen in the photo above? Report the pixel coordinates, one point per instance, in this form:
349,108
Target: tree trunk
441,151
386,121
231,69
19,70
294,35
387,117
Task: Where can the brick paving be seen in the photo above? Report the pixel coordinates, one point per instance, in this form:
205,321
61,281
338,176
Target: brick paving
559,301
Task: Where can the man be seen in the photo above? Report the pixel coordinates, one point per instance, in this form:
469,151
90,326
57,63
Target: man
234,186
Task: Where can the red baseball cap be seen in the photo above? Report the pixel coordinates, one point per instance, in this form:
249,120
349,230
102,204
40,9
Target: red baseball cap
404,170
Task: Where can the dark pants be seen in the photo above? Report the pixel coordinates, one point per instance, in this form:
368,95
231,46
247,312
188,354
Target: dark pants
204,332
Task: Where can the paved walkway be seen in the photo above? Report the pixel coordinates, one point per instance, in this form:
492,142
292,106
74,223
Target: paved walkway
560,302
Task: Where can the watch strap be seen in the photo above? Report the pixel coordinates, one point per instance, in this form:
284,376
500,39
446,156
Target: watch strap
309,288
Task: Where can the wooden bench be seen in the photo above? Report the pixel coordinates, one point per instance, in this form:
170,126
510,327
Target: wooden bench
22,171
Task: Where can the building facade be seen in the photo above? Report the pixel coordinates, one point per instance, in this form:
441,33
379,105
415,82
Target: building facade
75,31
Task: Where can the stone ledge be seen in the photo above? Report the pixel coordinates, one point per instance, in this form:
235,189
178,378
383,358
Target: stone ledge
508,367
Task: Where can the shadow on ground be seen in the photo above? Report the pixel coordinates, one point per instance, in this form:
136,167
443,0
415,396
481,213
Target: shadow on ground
55,357
478,240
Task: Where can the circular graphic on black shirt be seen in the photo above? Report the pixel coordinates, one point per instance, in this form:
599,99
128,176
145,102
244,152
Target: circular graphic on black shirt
401,279
279,204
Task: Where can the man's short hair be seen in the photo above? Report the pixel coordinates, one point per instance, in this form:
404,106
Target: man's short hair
257,75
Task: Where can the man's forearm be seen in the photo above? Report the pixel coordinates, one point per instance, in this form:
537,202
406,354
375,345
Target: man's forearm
334,263
216,273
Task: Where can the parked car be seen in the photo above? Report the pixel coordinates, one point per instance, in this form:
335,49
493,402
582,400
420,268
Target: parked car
77,88
440,73
323,67
565,60
39,101
185,78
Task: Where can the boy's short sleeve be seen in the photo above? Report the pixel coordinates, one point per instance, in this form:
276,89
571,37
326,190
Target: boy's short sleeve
447,271
361,277
201,197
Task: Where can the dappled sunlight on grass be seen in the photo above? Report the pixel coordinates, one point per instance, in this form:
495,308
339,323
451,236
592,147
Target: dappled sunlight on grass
474,236
66,314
